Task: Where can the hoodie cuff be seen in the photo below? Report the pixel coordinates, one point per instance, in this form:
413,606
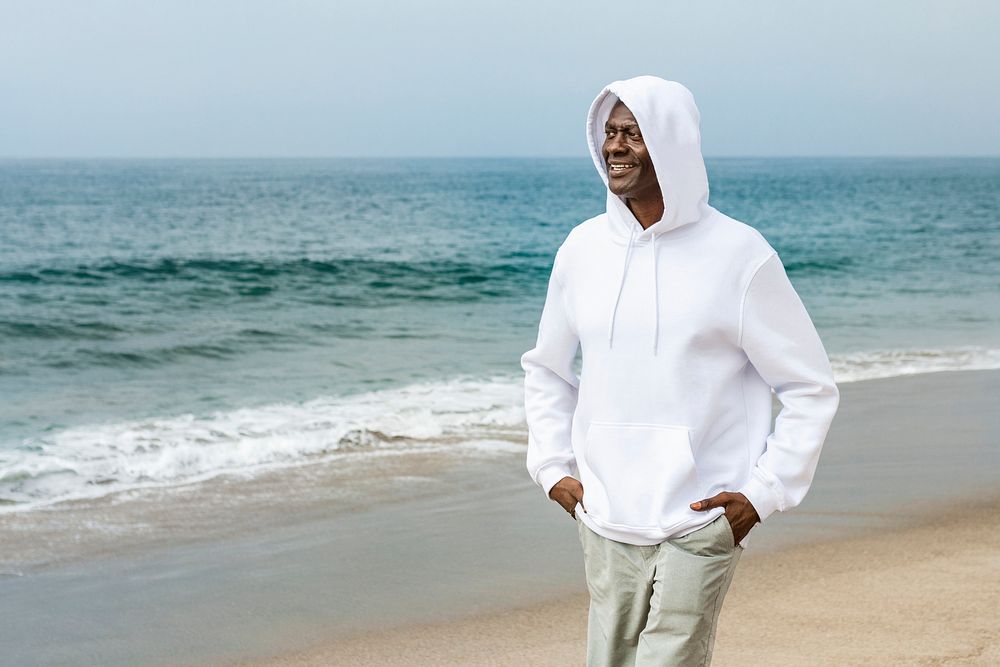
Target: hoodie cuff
760,495
550,474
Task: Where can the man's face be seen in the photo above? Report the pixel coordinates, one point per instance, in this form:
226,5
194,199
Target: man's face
630,169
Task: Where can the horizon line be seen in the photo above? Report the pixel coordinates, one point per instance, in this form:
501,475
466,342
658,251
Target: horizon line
491,157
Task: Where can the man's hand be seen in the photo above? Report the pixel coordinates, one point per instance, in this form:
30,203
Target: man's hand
741,514
567,492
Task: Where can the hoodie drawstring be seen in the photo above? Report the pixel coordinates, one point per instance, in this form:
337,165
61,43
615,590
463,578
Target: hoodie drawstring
656,292
656,295
614,309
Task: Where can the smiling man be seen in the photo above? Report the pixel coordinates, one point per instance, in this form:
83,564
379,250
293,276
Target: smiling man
663,449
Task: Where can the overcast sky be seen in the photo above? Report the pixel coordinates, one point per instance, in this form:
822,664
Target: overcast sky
477,77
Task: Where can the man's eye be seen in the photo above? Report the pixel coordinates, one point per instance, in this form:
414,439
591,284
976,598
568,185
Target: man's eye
634,135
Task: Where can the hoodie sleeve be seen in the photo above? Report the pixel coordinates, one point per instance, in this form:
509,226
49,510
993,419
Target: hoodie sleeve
781,342
550,389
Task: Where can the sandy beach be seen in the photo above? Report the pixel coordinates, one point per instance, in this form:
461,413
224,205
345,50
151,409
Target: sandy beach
919,595
922,589
892,559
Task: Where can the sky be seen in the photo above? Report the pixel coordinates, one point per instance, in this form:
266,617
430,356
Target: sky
374,78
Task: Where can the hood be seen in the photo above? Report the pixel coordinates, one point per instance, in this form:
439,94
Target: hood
670,123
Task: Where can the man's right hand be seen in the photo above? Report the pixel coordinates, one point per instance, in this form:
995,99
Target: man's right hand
568,492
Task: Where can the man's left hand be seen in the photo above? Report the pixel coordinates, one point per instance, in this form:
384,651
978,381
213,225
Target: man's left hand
741,514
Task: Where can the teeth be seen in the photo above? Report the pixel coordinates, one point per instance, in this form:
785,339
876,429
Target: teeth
621,167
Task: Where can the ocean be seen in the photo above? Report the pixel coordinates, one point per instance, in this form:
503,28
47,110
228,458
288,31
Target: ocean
170,321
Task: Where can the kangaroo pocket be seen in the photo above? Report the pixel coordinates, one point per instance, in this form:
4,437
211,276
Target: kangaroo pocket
645,474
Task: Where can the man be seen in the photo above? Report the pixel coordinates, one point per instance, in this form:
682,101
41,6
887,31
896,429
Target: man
662,448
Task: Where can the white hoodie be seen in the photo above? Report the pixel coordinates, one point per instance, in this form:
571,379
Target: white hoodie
684,329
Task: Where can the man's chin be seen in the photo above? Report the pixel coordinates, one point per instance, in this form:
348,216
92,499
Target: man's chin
620,189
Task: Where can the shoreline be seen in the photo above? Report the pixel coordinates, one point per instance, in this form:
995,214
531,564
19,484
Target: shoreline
234,504
216,581
924,593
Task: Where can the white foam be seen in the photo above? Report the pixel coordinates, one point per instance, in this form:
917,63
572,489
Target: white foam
93,461
876,364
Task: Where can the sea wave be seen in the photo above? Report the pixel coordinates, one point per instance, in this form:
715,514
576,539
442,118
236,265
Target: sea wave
828,265
876,364
101,459
337,281
463,413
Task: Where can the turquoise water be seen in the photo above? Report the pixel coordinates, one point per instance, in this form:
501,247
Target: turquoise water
163,321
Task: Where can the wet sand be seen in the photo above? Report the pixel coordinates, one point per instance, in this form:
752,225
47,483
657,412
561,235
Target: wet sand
924,595
877,566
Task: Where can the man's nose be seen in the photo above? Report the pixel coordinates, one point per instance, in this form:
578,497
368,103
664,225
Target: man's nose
615,143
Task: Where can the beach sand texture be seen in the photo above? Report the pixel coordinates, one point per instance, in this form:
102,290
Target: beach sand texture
924,595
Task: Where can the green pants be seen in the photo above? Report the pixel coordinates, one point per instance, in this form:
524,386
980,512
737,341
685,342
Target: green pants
659,604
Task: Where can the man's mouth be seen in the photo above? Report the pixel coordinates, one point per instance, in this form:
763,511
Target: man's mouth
620,167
